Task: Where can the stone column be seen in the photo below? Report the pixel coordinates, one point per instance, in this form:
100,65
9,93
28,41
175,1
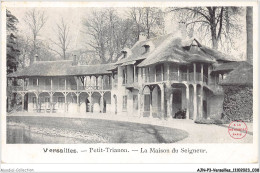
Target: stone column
37,102
134,79
187,102
162,102
201,73
178,73
151,103
90,102
51,101
194,72
188,76
162,72
209,71
102,82
168,71
37,83
201,102
102,103
65,102
139,104
195,102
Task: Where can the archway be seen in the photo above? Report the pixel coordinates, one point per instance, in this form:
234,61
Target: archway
84,103
58,102
176,100
147,101
44,104
96,96
179,100
71,105
107,102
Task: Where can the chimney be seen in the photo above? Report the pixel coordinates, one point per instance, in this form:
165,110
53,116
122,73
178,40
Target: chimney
142,36
35,58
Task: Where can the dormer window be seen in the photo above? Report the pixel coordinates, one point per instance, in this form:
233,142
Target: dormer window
147,48
124,54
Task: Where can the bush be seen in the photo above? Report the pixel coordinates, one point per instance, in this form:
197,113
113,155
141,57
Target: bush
238,103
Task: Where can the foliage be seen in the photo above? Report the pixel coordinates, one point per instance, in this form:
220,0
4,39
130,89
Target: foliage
12,50
63,39
238,103
108,33
35,20
219,25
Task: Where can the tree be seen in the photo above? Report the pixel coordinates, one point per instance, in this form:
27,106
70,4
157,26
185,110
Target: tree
136,15
220,24
108,34
63,39
152,20
12,50
12,54
96,28
148,19
35,21
249,31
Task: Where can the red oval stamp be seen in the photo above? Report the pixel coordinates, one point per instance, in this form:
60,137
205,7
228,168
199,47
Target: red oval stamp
237,129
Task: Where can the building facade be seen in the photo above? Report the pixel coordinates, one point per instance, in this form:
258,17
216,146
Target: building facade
156,78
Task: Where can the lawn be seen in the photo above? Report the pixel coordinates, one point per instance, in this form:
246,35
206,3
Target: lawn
83,130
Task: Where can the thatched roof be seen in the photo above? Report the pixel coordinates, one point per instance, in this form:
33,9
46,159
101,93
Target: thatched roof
61,68
241,75
175,49
227,67
138,50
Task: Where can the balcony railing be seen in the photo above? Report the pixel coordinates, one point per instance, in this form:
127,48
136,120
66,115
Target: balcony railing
57,88
174,76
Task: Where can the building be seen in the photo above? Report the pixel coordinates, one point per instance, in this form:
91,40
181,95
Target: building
155,78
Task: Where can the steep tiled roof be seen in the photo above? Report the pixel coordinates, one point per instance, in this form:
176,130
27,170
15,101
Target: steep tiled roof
61,68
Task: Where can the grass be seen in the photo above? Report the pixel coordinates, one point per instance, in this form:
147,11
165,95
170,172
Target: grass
111,131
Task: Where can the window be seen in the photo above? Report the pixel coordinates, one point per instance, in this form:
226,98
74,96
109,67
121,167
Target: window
124,103
34,82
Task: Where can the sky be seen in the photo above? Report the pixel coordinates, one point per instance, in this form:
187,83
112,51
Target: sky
74,16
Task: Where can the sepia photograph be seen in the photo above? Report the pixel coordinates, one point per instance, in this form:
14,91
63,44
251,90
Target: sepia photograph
129,75
163,75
